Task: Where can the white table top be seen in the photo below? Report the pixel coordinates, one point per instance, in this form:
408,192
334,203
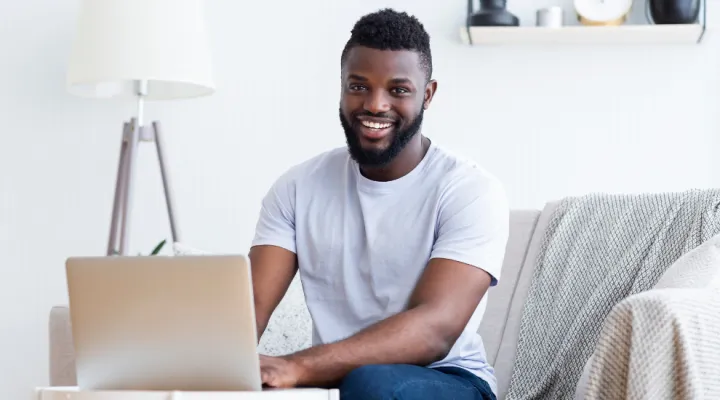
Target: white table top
72,393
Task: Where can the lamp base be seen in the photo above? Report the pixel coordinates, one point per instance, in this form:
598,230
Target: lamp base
120,222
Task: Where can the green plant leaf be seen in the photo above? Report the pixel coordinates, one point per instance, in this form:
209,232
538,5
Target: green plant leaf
158,248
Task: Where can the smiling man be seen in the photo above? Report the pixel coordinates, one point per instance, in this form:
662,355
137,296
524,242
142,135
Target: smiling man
396,239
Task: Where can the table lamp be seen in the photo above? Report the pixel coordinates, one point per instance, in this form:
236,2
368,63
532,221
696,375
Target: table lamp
146,50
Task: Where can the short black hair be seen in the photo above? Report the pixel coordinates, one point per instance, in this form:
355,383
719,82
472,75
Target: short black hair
388,29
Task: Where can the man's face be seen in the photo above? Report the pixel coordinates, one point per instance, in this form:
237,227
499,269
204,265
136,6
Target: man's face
384,94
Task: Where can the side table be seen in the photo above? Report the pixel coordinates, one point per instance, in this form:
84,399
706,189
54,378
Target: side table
72,393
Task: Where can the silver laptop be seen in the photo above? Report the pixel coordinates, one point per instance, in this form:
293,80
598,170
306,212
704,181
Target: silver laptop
163,323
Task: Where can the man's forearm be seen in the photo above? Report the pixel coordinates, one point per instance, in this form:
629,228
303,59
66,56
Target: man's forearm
408,338
260,324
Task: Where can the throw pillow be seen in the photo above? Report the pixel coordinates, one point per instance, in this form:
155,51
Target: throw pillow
698,268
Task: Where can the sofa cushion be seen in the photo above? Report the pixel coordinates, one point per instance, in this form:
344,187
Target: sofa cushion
522,225
698,268
507,351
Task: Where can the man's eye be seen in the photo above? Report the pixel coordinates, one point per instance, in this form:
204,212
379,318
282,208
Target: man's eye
401,90
357,87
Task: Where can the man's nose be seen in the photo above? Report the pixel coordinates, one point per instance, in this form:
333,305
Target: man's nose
377,102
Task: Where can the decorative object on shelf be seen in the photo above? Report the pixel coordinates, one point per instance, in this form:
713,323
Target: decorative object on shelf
603,12
551,17
140,50
492,13
673,11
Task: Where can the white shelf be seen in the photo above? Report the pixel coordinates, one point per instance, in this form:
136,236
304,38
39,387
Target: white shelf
624,34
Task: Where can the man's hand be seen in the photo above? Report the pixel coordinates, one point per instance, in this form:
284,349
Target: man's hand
279,372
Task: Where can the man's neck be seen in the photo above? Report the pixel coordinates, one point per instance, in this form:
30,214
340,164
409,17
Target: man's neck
403,164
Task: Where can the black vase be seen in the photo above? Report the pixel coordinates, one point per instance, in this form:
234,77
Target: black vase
674,11
493,13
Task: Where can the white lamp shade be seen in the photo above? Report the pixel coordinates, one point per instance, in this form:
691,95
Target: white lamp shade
120,42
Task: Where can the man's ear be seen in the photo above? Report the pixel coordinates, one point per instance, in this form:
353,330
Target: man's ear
430,90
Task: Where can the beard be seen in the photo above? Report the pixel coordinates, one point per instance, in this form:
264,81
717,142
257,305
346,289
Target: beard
379,158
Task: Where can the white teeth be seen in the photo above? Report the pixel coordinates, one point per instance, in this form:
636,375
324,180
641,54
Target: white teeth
376,125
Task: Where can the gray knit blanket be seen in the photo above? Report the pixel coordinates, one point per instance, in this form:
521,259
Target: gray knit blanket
598,249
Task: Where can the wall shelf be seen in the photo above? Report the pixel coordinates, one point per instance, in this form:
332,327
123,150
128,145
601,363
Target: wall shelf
623,34
628,33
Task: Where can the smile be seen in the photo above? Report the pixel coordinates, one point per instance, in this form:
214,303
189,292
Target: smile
375,130
376,125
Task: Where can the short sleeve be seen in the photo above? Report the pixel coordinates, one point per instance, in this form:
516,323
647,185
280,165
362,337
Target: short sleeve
276,222
473,224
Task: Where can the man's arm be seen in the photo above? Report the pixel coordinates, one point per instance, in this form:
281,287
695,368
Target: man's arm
440,307
273,269
465,262
272,254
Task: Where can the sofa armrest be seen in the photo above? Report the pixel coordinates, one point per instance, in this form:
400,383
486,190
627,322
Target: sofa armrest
659,344
62,352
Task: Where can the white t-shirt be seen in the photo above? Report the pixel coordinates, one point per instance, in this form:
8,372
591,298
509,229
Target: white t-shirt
362,245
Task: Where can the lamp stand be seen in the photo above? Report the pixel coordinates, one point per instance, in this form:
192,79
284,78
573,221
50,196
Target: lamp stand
120,223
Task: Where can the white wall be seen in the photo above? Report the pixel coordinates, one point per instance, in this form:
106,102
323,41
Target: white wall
549,121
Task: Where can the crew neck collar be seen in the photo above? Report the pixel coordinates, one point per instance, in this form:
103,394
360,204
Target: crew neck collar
369,185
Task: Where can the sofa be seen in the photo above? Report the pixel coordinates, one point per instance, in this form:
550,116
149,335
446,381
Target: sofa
500,327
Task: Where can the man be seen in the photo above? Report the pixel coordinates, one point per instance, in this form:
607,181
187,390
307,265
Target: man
395,239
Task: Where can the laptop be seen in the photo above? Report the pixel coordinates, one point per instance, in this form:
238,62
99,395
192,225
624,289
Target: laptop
163,323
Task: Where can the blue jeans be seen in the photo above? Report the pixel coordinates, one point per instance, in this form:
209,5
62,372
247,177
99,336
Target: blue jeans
400,381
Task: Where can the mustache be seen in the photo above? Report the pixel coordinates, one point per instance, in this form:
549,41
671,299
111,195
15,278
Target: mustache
373,115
